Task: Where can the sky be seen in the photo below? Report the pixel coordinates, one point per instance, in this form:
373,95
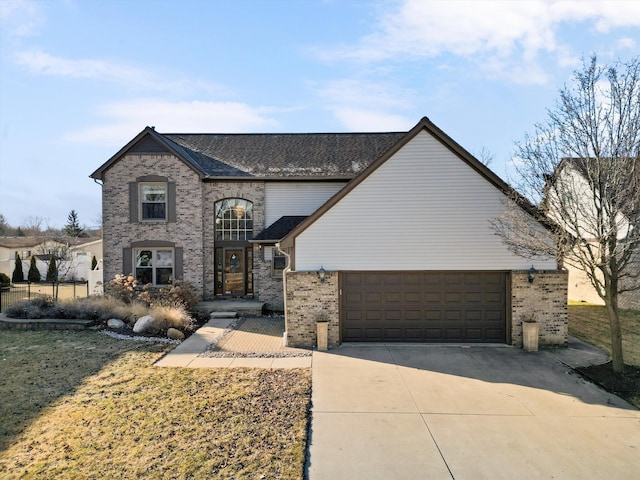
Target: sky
80,78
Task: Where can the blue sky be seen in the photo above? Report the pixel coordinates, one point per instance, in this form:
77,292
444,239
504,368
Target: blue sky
80,78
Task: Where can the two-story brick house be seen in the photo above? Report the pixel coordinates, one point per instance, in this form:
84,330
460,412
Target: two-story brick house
387,236
210,207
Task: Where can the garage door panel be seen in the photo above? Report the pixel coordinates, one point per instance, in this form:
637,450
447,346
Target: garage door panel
424,306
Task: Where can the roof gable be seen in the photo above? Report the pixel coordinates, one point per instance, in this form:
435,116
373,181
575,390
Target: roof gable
423,125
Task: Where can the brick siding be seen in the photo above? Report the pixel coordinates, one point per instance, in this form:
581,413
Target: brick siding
545,300
119,233
309,301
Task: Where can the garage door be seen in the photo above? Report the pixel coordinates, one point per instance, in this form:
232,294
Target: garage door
424,307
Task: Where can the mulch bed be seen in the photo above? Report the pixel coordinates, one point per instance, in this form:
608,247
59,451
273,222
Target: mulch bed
626,383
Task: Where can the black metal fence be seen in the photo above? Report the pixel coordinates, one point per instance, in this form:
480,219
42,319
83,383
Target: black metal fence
27,291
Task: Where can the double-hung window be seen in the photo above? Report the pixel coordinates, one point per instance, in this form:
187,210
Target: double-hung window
154,266
153,201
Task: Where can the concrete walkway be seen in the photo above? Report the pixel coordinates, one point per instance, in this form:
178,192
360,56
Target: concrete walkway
461,412
254,342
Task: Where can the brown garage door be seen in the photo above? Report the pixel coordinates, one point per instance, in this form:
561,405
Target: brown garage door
424,307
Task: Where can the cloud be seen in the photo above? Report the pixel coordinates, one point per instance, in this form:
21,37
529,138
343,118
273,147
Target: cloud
500,37
126,119
362,105
366,120
129,76
20,18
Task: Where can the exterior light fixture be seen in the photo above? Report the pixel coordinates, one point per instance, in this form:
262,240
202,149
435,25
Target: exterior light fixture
321,274
532,272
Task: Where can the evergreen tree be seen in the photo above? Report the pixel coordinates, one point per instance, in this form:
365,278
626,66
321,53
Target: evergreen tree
52,271
34,274
18,274
73,228
94,263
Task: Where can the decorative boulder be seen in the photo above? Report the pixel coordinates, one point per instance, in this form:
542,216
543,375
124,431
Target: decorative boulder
115,323
175,334
146,324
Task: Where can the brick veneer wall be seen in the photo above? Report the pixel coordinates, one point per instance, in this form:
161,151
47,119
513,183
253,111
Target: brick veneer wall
545,300
119,233
308,301
269,287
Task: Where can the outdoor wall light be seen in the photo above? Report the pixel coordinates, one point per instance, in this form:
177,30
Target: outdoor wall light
532,272
321,274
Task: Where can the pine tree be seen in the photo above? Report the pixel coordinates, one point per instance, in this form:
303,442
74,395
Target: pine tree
94,262
52,271
34,274
18,274
73,228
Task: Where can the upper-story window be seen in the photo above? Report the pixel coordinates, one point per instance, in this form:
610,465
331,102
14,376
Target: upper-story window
234,219
153,201
152,198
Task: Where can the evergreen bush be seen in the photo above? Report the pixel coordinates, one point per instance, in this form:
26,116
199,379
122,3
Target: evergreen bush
18,274
34,274
52,271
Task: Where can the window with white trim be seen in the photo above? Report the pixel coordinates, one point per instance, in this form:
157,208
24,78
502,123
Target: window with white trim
234,219
154,266
153,201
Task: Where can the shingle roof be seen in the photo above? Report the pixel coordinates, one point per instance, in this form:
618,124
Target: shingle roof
279,228
283,155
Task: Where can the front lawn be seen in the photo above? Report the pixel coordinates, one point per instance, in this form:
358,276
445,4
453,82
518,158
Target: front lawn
83,405
590,323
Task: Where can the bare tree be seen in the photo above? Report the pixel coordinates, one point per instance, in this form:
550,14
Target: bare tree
582,169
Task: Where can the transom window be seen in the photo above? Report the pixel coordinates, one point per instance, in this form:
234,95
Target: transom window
154,266
234,219
153,201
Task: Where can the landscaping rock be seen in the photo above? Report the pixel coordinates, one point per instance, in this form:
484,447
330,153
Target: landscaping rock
175,334
146,324
115,323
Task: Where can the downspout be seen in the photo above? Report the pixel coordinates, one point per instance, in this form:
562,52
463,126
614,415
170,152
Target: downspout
287,269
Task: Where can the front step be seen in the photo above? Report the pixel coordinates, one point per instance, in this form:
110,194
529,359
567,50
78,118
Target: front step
213,315
235,307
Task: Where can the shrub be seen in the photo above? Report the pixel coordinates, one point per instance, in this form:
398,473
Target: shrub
52,271
5,281
18,274
123,287
34,274
94,262
178,294
172,317
36,308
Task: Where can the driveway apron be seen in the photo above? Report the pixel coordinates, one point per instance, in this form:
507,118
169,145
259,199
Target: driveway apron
465,412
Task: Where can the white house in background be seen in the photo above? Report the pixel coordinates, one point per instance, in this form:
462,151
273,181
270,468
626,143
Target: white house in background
570,181
78,254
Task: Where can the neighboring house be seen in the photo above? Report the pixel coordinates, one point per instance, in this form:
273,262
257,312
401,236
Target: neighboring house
570,180
387,235
75,252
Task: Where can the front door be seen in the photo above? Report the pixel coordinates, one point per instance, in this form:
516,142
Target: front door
234,271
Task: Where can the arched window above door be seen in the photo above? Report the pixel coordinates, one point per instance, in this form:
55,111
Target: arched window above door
234,219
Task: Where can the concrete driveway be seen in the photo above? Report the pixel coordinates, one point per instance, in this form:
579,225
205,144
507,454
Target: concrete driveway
442,412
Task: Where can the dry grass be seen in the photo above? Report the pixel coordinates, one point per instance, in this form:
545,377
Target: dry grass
590,323
83,405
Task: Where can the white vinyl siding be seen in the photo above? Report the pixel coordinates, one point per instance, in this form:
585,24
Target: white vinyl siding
423,209
296,198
